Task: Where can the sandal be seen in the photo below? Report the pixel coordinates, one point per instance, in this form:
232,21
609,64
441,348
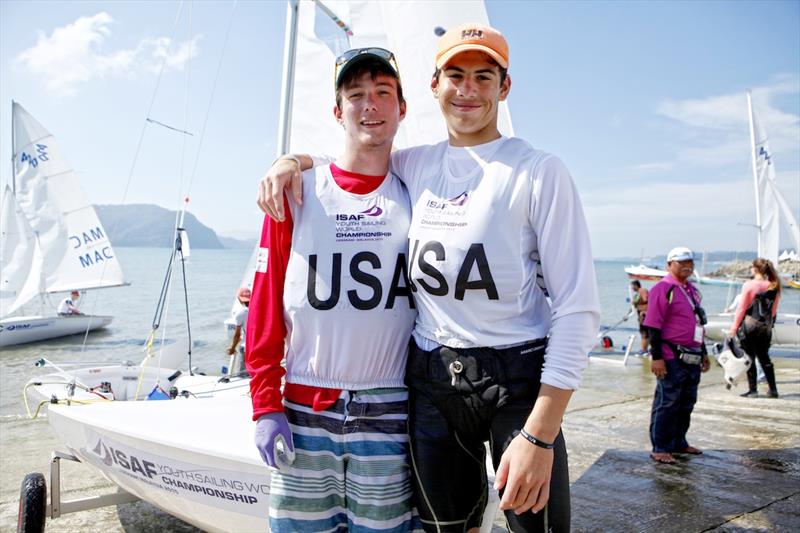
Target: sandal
662,457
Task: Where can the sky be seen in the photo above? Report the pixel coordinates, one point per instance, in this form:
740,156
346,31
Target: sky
644,102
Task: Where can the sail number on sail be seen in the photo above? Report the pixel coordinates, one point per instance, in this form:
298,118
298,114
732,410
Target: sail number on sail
87,238
33,160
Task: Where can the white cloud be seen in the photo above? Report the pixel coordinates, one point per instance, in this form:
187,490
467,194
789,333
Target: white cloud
77,53
717,130
659,216
656,166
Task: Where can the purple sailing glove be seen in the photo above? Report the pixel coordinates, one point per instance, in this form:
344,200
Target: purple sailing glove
274,440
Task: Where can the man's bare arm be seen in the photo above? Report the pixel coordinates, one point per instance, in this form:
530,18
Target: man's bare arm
285,170
525,469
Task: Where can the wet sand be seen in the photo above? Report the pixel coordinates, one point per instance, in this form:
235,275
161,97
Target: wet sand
748,479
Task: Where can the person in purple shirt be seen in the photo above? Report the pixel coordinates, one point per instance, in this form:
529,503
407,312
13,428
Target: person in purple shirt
675,320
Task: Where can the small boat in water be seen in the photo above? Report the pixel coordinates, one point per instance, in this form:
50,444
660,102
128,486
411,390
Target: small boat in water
645,273
785,331
52,240
719,282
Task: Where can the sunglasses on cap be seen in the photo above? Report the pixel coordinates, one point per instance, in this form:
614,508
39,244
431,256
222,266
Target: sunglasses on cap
346,59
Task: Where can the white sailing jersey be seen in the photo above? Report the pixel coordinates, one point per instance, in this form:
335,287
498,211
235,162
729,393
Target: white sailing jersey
348,309
501,254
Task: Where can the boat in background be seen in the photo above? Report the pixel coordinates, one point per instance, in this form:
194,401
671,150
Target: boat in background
645,273
52,240
719,282
771,206
786,330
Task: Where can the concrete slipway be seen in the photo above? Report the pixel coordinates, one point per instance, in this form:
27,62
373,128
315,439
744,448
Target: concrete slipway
748,479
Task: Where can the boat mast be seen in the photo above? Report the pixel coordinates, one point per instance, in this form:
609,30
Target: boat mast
13,151
289,54
753,155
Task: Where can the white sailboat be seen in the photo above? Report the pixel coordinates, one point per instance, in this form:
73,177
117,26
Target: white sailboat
644,272
771,209
51,240
194,456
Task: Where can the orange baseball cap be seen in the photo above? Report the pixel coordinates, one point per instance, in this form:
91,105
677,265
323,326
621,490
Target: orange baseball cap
472,37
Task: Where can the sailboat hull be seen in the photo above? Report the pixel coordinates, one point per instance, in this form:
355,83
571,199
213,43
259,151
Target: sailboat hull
24,329
644,273
786,329
193,458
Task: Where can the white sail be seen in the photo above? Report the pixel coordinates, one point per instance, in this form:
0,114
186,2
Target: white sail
76,252
405,28
20,258
788,218
767,211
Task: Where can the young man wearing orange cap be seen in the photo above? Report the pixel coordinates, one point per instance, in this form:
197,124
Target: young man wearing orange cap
501,268
331,293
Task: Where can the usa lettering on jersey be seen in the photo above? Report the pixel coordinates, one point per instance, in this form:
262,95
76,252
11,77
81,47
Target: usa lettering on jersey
398,287
438,286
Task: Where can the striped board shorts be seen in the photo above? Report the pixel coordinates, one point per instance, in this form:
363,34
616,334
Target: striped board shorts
351,469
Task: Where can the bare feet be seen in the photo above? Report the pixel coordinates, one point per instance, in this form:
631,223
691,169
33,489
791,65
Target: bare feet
691,450
662,457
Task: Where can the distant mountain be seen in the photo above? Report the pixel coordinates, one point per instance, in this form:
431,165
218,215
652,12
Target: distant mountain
147,225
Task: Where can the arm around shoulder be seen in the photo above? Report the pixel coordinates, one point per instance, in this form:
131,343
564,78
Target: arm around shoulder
285,171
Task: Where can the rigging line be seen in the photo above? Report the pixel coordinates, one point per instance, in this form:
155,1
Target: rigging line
186,305
152,102
162,297
136,153
178,214
165,304
169,127
211,99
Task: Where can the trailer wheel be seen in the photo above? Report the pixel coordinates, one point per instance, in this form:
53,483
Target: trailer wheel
32,504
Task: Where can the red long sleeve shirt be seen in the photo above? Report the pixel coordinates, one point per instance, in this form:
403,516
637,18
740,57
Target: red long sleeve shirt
266,328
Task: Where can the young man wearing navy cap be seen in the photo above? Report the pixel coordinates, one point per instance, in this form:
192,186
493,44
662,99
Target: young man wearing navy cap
501,268
330,289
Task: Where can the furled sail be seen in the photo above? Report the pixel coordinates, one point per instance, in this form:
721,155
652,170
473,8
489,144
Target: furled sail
405,28
76,252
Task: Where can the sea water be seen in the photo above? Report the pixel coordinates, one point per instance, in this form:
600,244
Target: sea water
212,278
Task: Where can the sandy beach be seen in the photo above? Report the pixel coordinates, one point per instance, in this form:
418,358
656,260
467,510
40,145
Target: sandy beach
748,479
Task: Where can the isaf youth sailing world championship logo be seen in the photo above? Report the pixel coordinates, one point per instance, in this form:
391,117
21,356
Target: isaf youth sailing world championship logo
223,488
445,214
364,225
457,201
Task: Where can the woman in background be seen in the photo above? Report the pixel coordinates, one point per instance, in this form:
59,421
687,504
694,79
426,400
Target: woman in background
754,319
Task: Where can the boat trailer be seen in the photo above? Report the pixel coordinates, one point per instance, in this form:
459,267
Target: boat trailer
34,508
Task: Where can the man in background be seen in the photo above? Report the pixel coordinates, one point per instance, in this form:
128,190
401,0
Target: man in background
639,302
676,321
67,306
